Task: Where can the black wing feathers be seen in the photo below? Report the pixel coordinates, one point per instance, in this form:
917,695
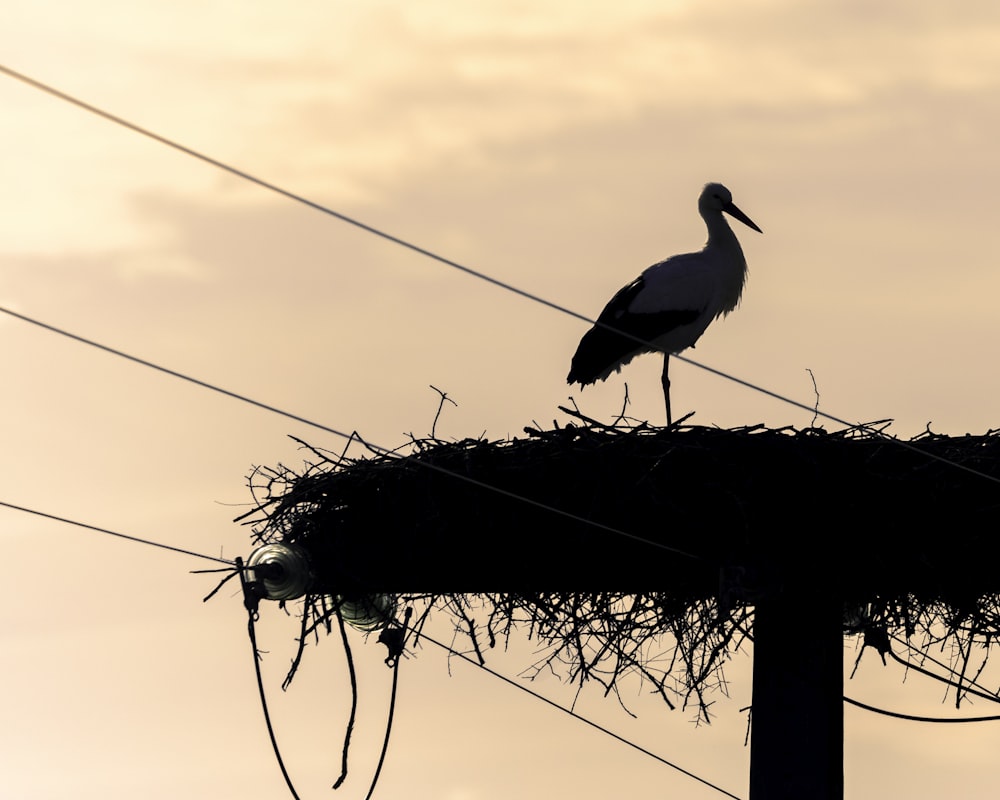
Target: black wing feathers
601,350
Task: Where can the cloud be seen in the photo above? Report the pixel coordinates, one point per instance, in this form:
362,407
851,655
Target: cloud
560,154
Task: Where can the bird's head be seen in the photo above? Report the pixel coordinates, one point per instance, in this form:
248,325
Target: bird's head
716,197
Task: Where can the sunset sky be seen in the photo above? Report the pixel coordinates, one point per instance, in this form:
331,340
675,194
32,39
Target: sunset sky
555,146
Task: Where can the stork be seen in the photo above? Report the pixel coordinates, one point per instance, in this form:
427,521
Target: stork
669,306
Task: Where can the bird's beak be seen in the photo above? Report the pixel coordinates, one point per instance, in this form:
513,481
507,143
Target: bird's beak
734,212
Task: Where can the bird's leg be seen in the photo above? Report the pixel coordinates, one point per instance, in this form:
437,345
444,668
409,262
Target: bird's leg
665,380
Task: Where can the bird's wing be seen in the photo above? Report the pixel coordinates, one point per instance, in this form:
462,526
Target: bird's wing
636,319
622,302
680,283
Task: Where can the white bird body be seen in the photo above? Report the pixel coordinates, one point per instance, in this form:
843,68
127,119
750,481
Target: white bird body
669,306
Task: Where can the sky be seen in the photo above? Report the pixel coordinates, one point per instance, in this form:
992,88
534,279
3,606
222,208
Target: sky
556,147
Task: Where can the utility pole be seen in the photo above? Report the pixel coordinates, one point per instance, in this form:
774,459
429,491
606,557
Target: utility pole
797,723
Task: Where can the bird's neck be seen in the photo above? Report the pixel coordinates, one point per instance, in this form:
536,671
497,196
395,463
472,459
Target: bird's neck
722,243
719,233
722,239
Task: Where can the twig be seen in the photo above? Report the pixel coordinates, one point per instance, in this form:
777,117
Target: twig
444,397
354,699
812,422
625,405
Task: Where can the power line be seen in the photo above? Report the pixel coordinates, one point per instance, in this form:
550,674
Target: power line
961,686
383,234
388,237
380,233
475,273
814,409
422,635
492,672
283,192
349,437
913,718
570,712
115,533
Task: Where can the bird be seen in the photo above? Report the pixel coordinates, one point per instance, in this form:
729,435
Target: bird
669,306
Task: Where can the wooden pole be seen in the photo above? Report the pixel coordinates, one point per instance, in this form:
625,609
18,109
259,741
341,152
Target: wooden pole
797,727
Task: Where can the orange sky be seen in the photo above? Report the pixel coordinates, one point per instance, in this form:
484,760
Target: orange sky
557,148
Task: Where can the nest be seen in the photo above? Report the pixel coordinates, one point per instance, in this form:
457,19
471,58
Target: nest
630,550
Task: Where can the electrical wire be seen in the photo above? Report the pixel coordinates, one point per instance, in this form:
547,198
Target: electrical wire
960,687
349,437
250,601
395,645
253,642
474,273
486,669
421,635
914,718
494,673
115,533
395,640
967,686
283,192
461,267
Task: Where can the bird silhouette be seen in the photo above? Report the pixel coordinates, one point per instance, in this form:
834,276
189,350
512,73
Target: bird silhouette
669,306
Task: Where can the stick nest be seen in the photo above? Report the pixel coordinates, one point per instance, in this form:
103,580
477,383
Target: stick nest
626,550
